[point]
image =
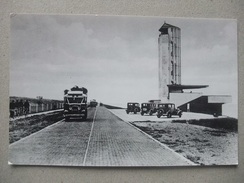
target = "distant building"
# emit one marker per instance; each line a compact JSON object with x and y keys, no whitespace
{"x":170,"y":87}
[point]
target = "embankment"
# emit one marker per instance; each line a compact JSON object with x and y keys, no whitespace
{"x":20,"y":128}
{"x":226,"y":123}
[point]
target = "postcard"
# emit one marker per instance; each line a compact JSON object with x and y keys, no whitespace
{"x":122,"y":91}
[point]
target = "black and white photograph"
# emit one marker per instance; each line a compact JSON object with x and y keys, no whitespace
{"x":122,"y":91}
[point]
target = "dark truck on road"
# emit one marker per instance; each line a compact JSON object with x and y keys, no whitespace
{"x":75,"y":103}
{"x":93,"y":103}
{"x":133,"y":107}
{"x":168,"y":109}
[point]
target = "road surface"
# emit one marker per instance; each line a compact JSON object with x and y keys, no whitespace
{"x":102,"y":140}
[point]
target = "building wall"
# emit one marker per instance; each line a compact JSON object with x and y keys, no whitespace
{"x":201,"y":105}
{"x":163,"y":66}
{"x":169,"y":42}
{"x":219,"y":99}
{"x":182,"y":98}
{"x":175,"y":55}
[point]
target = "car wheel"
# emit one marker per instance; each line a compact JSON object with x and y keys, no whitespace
{"x":169,"y":115}
{"x":142,"y":113}
{"x":150,"y":113}
{"x":127,"y":112}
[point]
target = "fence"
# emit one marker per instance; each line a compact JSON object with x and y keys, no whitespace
{"x":34,"y":108}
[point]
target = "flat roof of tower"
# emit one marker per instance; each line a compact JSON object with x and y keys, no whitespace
{"x":181,"y":87}
{"x":166,"y":25}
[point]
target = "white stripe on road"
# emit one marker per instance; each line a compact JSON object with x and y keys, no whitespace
{"x":84,"y":161}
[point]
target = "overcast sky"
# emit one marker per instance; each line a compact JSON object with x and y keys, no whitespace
{"x":116,"y":57}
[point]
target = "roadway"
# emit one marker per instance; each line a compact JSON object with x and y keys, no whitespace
{"x":101,"y":140}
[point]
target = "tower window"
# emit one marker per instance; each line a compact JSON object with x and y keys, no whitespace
{"x":164,"y":31}
{"x":172,"y":70}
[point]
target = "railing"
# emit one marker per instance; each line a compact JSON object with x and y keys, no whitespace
{"x":34,"y":108}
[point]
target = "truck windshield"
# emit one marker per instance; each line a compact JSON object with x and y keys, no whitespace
{"x":74,"y":100}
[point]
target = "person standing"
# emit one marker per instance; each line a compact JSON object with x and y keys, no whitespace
{"x":26,"y":107}
{"x":21,"y":107}
{"x":12,"y":107}
{"x":17,"y":106}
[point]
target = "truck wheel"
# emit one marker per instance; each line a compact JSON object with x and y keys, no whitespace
{"x":150,"y":113}
{"x":85,"y":117}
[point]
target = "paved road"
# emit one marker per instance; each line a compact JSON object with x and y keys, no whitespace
{"x":102,"y":140}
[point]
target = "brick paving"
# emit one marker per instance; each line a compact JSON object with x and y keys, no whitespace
{"x":112,"y":142}
{"x":63,"y":143}
{"x":116,"y":143}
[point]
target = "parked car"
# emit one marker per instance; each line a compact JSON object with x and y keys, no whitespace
{"x":133,"y":107}
{"x":168,"y":109}
{"x":148,"y":108}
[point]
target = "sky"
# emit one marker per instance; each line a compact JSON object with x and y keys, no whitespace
{"x":116,"y":57}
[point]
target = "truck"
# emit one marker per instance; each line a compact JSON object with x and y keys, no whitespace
{"x":93,"y":103}
{"x":75,"y":103}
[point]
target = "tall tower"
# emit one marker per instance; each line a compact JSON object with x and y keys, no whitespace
{"x":169,"y":45}
{"x":170,"y":87}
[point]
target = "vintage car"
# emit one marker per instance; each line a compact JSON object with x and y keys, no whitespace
{"x":148,"y":108}
{"x":168,"y":109}
{"x":133,"y":107}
